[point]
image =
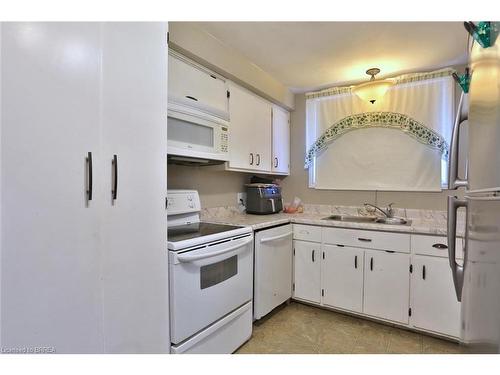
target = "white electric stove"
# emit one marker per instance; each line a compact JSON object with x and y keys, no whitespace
{"x":211,"y":278}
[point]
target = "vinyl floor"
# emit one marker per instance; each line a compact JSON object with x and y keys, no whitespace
{"x":302,"y":329}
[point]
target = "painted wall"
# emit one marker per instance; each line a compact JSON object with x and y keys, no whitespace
{"x":216,"y":188}
{"x":197,"y":44}
{"x":297,"y":183}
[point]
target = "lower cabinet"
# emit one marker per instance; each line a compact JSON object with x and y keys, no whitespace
{"x":342,"y":277}
{"x":387,"y":285}
{"x":306,"y":267}
{"x":413,"y":289}
{"x":433,"y":302}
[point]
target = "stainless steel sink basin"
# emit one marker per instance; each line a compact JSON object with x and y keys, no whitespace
{"x":393,"y":221}
{"x":354,"y":219}
{"x":369,"y":219}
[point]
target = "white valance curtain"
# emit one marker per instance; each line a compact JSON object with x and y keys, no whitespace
{"x":382,"y":158}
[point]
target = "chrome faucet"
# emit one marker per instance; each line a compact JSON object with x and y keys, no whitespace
{"x":388,"y":212}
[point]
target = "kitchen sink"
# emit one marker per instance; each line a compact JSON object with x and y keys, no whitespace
{"x":393,"y":221}
{"x":354,"y":219}
{"x":369,"y":219}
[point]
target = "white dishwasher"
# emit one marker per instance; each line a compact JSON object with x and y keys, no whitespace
{"x":273,"y":268}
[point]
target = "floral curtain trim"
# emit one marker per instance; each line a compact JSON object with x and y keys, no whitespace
{"x":406,"y":78}
{"x":365,"y":120}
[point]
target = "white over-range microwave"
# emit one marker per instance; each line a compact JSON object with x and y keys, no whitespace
{"x":192,"y":134}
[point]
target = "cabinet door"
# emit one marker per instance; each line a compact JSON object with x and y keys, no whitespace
{"x":194,"y":86}
{"x":273,"y":269}
{"x":50,"y":257}
{"x":135,"y":263}
{"x":249,"y":131}
{"x":434,"y":305}
{"x":386,"y":287}
{"x":281,"y":141}
{"x":342,"y":277}
{"x":307,"y":271}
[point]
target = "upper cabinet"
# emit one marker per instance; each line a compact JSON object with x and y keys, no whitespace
{"x":192,"y":86}
{"x":259,"y":132}
{"x":249,"y":131}
{"x":281,"y":141}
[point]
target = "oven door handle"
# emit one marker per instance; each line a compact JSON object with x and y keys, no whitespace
{"x":269,"y":239}
{"x":186,"y":258}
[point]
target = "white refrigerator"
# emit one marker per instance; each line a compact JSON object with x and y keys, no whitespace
{"x":477,"y":281}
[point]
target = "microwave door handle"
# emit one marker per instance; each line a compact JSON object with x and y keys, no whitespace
{"x":454,"y":182}
{"x":186,"y":258}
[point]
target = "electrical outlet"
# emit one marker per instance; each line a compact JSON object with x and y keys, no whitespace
{"x":241,"y":199}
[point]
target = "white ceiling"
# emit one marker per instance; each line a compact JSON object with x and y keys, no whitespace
{"x":312,"y":55}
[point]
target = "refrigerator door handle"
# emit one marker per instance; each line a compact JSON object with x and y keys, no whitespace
{"x":454,"y":182}
{"x":457,"y":270}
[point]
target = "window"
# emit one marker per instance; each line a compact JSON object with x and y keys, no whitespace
{"x":383,"y":155}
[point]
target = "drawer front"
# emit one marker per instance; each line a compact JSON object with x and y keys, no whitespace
{"x":399,"y":242}
{"x":434,"y":246}
{"x":306,"y":232}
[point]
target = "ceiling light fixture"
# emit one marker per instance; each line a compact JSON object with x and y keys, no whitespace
{"x":372,"y":90}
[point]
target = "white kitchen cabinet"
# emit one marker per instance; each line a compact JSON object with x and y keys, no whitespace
{"x":281,"y":141}
{"x":249,"y":131}
{"x":273,"y":269}
{"x":50,"y":267}
{"x":370,"y":239}
{"x":342,"y":277}
{"x":307,"y":268}
{"x":435,"y":246}
{"x":434,"y":305}
{"x":192,"y":86}
{"x":386,"y":285}
{"x":134,"y":251}
{"x":83,"y":275}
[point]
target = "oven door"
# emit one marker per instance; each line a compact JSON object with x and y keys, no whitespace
{"x":198,"y":137}
{"x":207,"y":283}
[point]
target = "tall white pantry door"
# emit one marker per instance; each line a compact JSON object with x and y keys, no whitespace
{"x":50,"y":253}
{"x":82,"y":272}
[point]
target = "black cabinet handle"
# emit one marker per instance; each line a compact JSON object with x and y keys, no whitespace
{"x":323,"y":255}
{"x":312,"y":255}
{"x":371,"y":264}
{"x":251,"y":158}
{"x":423,"y":272}
{"x":275,"y":162}
{"x":114,"y":191}
{"x":355,"y":261}
{"x":192,"y":98}
{"x":440,"y":246}
{"x":258,"y":159}
{"x":364,"y":239}
{"x":89,"y":171}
